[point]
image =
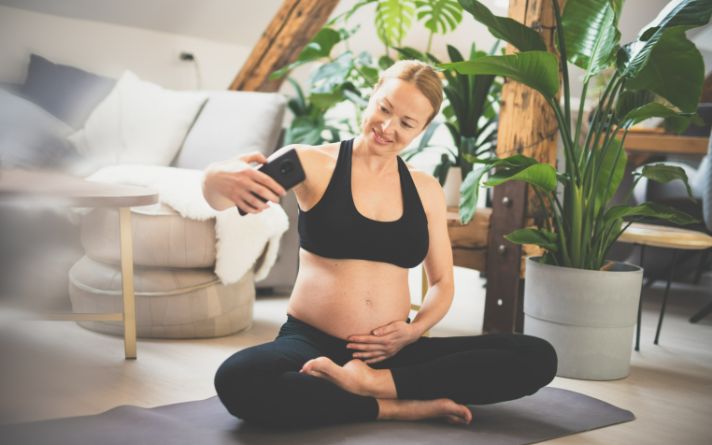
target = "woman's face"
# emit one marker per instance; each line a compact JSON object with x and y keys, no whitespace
{"x":396,"y":114}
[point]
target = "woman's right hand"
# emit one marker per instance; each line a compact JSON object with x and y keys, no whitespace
{"x":223,"y":189}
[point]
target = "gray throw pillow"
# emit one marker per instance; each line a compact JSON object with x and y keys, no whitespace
{"x":30,"y":137}
{"x":68,"y":93}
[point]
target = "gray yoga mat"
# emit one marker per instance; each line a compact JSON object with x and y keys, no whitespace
{"x":547,"y":414}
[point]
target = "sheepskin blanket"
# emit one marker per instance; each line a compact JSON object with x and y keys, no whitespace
{"x":240,"y":240}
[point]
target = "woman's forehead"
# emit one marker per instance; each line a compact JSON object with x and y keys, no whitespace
{"x":404,"y":96}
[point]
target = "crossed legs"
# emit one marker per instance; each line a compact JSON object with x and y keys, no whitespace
{"x":300,"y":380}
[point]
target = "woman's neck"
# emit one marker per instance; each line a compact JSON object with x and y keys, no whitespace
{"x":374,"y":161}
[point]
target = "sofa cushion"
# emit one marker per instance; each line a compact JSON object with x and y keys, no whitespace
{"x":232,"y":123}
{"x":30,"y":137}
{"x":161,"y":237}
{"x":138,"y":122}
{"x":67,"y":92}
{"x":170,"y":303}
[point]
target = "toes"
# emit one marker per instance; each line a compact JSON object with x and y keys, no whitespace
{"x":455,"y":420}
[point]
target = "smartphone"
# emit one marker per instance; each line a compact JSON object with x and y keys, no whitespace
{"x":285,"y":169}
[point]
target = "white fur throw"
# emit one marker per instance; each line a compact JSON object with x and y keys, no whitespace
{"x":240,"y":239}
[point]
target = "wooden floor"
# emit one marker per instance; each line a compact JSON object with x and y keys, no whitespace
{"x":55,"y":369}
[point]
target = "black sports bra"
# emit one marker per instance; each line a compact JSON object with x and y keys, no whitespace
{"x":334,"y":228}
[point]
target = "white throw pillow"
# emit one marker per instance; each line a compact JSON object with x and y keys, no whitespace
{"x":138,"y":122}
{"x":233,"y":123}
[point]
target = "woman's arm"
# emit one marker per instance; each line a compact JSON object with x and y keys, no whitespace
{"x":230,"y":183}
{"x":438,"y":263}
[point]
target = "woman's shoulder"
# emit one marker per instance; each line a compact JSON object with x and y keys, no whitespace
{"x":311,"y":154}
{"x":429,"y":188}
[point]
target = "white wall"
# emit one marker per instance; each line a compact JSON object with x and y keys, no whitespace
{"x":108,"y":49}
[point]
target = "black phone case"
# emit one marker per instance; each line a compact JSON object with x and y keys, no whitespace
{"x":286,"y":169}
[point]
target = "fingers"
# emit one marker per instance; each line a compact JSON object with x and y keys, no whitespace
{"x":367,"y":346}
{"x":369,"y":354}
{"x":367,"y":339}
{"x":255,"y":156}
{"x":265,"y":186}
{"x":385,"y":330}
{"x":376,"y":359}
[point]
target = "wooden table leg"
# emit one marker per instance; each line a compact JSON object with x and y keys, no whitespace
{"x":127,"y":285}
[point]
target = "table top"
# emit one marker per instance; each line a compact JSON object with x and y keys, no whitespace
{"x":655,"y":140}
{"x":666,"y":236}
{"x":53,"y":187}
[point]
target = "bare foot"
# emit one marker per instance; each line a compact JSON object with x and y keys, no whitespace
{"x":423,"y":409}
{"x":355,"y":376}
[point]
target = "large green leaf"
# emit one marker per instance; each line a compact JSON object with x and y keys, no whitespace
{"x":685,"y":13}
{"x":393,"y":20}
{"x":331,"y":76}
{"x":649,"y":210}
{"x":610,"y":173}
{"x":440,"y":16}
{"x":652,"y":109}
{"x":673,"y":63}
{"x":469,"y":191}
{"x":591,"y":33}
{"x":664,"y":173}
{"x":540,"y":237}
{"x":692,"y":13}
{"x":627,"y":101}
{"x":505,"y":28}
{"x":541,"y":175}
{"x":305,"y":130}
{"x":536,"y":69}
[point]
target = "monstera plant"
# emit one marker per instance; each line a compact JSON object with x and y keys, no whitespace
{"x":660,"y":74}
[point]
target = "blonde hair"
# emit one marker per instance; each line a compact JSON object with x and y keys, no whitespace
{"x":420,"y":74}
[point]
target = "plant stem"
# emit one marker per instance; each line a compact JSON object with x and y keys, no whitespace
{"x":564,"y":64}
{"x":571,"y":166}
{"x":597,"y":113}
{"x":579,"y":118}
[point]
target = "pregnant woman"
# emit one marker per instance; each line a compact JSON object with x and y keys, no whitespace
{"x":348,"y":351}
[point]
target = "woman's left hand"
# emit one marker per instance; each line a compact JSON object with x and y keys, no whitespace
{"x":383,"y":342}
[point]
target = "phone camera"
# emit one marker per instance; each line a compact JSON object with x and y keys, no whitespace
{"x":286,"y":167}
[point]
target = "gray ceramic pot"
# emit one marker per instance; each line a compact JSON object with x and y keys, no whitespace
{"x":589,"y":316}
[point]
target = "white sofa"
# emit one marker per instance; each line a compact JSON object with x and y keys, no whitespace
{"x":178,"y":293}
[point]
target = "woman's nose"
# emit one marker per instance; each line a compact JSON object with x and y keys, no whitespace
{"x":386,"y":123}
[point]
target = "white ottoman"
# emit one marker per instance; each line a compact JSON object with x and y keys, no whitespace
{"x":170,"y":302}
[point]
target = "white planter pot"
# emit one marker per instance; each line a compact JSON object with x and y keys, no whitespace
{"x":453,"y":181}
{"x":589,"y":316}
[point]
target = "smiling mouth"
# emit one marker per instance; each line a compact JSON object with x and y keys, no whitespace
{"x":381,"y":139}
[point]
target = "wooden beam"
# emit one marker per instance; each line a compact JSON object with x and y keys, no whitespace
{"x":527,"y":126}
{"x":296,"y":22}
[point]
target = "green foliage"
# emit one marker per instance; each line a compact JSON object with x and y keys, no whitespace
{"x":393,"y":20}
{"x":658,"y":75}
{"x":470,"y":114}
{"x":470,"y":110}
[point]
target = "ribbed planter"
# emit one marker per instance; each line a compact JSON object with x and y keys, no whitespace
{"x":451,"y":187}
{"x":589,"y":316}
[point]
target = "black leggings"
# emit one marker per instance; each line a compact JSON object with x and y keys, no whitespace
{"x":262,"y":383}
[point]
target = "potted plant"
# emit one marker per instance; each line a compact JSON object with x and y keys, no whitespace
{"x":583,"y":304}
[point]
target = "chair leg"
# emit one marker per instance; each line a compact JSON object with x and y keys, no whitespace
{"x":665,"y":296}
{"x":640,"y":302}
{"x":700,"y":266}
{"x":702,"y":313}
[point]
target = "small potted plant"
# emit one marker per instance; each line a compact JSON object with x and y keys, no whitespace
{"x":582,"y":303}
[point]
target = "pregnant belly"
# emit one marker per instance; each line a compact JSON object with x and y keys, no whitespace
{"x":348,"y":297}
